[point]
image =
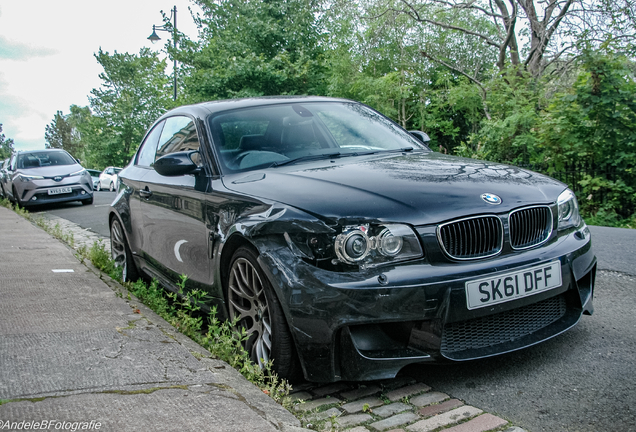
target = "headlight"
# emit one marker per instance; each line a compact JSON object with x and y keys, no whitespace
{"x":569,"y":216}
{"x":80,"y":172}
{"x":370,"y":246}
{"x":26,"y":178}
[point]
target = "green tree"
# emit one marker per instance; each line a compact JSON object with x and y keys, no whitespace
{"x":594,"y":125}
{"x":135,"y":91}
{"x":6,"y":145}
{"x":253,"y":48}
{"x":61,"y":134}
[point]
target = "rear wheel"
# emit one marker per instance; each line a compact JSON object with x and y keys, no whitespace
{"x":252,"y":299}
{"x":120,"y":252}
{"x":99,"y":186}
{"x":111,"y":187}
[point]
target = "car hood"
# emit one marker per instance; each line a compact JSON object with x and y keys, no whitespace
{"x":417,"y":188}
{"x":51,"y":171}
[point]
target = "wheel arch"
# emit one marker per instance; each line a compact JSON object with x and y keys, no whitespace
{"x":229,"y":248}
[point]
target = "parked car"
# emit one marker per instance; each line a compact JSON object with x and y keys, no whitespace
{"x":47,"y":176}
{"x":108,"y":179}
{"x":3,"y":174}
{"x":95,"y":176}
{"x":345,"y":247}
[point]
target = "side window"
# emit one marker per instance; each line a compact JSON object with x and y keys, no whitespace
{"x":179,"y":134}
{"x":149,"y":146}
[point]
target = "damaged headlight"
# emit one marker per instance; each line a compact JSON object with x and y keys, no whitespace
{"x":364,"y":246}
{"x":370,"y":246}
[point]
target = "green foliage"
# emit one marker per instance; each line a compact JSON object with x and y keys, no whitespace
{"x":253,"y":49}
{"x":594,"y":124}
{"x":6,"y":146}
{"x":509,"y":135}
{"x":134,"y":92}
{"x":59,"y":134}
{"x":102,"y":259}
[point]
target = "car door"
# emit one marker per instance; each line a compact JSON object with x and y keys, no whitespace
{"x":131,"y":178}
{"x":174,"y":234}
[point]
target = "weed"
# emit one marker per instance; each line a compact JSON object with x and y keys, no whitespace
{"x":101,"y":259}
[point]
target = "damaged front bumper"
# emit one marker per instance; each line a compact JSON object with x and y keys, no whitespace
{"x":368,"y":325}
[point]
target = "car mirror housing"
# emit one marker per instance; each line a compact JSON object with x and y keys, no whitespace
{"x":176,"y":164}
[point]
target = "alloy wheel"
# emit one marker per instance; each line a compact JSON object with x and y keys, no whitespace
{"x":248,"y":301}
{"x":118,"y":248}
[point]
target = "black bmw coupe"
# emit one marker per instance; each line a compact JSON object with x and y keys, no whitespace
{"x":346,"y":246}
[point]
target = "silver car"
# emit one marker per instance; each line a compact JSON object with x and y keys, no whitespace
{"x":4,"y":164}
{"x":95,"y":176}
{"x":47,"y":176}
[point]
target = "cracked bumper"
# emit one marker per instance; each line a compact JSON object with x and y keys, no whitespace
{"x":367,"y":326}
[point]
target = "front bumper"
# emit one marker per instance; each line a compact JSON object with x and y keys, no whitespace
{"x":357,"y":326}
{"x":36,"y":192}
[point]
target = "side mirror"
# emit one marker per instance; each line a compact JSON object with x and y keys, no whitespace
{"x":422,"y":136}
{"x":176,"y":164}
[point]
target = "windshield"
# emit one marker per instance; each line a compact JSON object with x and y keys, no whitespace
{"x":42,"y":159}
{"x":270,"y":136}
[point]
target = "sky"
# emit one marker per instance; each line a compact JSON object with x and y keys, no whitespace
{"x":46,"y":54}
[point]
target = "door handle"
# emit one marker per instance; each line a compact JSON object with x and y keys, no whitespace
{"x":145,"y":193}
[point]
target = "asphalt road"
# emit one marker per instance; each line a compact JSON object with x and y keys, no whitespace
{"x":93,"y":217}
{"x":583,"y":380}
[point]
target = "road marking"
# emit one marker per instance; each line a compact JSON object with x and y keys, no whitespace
{"x":63,"y":271}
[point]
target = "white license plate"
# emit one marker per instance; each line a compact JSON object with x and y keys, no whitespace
{"x":60,"y":190}
{"x":505,"y":287}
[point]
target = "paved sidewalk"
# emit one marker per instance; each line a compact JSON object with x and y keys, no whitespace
{"x":75,"y":354}
{"x":72,"y":351}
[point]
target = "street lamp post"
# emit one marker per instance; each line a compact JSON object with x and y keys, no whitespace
{"x":154,"y":38}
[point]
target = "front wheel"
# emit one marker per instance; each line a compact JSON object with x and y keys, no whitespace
{"x":111,"y":187}
{"x":16,"y":198}
{"x":88,"y":201}
{"x":120,"y":253}
{"x":252,"y":299}
{"x":99,"y":186}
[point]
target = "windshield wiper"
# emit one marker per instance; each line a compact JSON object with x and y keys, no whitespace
{"x":306,"y":158}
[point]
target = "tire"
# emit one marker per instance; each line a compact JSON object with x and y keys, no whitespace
{"x":99,"y":186}
{"x":88,"y":201}
{"x":16,"y":199}
{"x":252,"y":298}
{"x":111,"y":187}
{"x":120,"y":252}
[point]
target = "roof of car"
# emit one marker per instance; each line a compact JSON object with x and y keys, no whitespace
{"x":205,"y":108}
{"x":40,"y":151}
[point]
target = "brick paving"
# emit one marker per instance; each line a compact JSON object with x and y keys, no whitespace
{"x":400,"y":405}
